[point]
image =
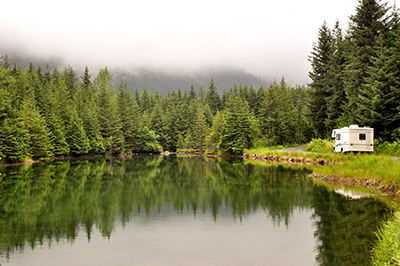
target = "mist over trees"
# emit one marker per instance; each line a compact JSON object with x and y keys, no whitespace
{"x":355,"y":75}
{"x":163,"y":80}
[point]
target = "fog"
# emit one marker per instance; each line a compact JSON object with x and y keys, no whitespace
{"x":264,"y":38}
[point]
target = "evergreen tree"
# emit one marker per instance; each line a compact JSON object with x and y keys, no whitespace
{"x":214,"y":135}
{"x":277,"y":115}
{"x":304,"y":131}
{"x":236,"y":131}
{"x":192,"y":93}
{"x":159,"y":125}
{"x":130,"y":117}
{"x":320,"y":59}
{"x":55,"y":123}
{"x":89,"y":114}
{"x":76,"y":137}
{"x":253,"y":100}
{"x":379,"y":98}
{"x":336,"y":99}
{"x":212,"y":98}
{"x":369,"y":22}
{"x":110,"y":123}
{"x":174,"y":121}
{"x":267,"y":117}
{"x":14,"y":138}
{"x":39,"y":137}
{"x":71,"y":80}
{"x":199,"y":129}
{"x":285,"y":118}
{"x":145,"y":101}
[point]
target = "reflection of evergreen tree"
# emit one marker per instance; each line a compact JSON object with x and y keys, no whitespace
{"x":55,"y":200}
{"x":345,"y":228}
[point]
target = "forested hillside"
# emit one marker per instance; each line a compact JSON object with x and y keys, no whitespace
{"x":45,"y":112}
{"x":356,"y":73}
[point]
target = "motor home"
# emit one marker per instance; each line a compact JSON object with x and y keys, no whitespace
{"x":353,"y":139}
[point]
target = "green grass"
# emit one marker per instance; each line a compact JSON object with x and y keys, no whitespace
{"x":387,"y":250}
{"x":364,"y":166}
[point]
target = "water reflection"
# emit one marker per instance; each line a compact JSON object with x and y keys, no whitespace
{"x":58,"y":201}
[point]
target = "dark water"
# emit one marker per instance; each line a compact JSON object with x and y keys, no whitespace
{"x":179,"y":211}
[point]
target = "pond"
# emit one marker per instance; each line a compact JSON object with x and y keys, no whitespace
{"x":172,"y":210}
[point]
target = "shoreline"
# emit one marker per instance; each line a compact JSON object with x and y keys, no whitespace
{"x":375,"y":184}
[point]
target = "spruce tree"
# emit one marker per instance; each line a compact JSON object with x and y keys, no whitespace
{"x":214,"y":134}
{"x":130,"y":117}
{"x":192,"y":93}
{"x":14,"y":137}
{"x":320,"y":59}
{"x":212,"y":98}
{"x":237,"y":129}
{"x":199,"y":129}
{"x":379,"y":98}
{"x":54,"y":121}
{"x":159,"y":124}
{"x":90,"y":112}
{"x":110,"y":123}
{"x":369,"y":22}
{"x":39,"y":136}
{"x":336,"y":99}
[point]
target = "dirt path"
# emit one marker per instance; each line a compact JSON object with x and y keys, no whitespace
{"x":295,"y":149}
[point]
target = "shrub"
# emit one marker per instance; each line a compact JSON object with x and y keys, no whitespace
{"x":387,"y":148}
{"x":320,"y":145}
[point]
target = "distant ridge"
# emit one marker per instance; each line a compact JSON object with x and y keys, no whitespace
{"x":166,"y":82}
{"x":140,"y":78}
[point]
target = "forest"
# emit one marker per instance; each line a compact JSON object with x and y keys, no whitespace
{"x":354,"y":76}
{"x":47,"y":113}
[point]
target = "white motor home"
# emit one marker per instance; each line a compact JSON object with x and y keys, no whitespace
{"x":353,"y":139}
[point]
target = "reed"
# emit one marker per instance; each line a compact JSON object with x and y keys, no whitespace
{"x":387,"y":249}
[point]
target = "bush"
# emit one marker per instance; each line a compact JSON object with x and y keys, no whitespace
{"x":387,"y":148}
{"x":320,"y":145}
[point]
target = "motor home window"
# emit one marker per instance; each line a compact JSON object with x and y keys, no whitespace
{"x":362,"y":136}
{"x":337,"y":136}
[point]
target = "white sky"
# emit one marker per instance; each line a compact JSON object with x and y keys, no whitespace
{"x":266,"y":38}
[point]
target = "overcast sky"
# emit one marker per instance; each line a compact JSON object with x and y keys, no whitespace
{"x":266,"y":38}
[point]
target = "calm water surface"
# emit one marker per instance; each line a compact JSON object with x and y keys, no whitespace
{"x":179,"y":211}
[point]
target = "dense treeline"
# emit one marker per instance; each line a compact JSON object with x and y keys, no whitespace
{"x":45,"y":112}
{"x":355,"y":76}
